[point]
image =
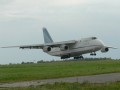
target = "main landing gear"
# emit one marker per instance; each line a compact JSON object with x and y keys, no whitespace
{"x":65,"y":57}
{"x":79,"y":57}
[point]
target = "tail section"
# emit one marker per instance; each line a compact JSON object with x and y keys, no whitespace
{"x":47,"y":37}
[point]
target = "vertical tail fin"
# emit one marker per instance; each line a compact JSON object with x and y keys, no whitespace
{"x":47,"y":37}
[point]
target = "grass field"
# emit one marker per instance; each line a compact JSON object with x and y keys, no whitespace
{"x":71,"y":86}
{"x":27,"y":72}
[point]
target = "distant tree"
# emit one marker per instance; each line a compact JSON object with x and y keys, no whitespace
{"x":10,"y":63}
{"x":41,"y":61}
{"x":29,"y":62}
{"x":52,"y":60}
{"x":23,"y":63}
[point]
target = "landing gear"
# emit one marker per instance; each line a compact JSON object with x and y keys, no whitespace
{"x":93,"y":54}
{"x":65,"y":56}
{"x":79,"y":57}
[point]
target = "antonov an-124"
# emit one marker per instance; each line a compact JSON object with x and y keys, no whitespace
{"x":68,"y":49}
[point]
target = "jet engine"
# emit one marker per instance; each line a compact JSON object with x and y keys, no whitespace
{"x":47,"y":49}
{"x":64,"y":47}
{"x":105,"y":49}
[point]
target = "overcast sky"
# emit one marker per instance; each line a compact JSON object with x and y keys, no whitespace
{"x":21,"y":23}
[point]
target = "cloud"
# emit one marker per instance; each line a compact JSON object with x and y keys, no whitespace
{"x":33,"y":8}
{"x":5,"y":2}
{"x":37,"y":9}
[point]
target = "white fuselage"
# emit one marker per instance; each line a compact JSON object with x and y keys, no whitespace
{"x":83,"y":46}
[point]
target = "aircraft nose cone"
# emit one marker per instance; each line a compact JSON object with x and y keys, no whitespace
{"x":101,"y":43}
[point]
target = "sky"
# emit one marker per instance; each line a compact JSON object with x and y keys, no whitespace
{"x":21,"y":23}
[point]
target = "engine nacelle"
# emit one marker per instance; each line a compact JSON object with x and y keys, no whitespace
{"x":47,"y":49}
{"x":105,"y":49}
{"x":64,"y":47}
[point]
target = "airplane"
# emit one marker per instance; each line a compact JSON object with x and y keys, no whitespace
{"x":68,"y":49}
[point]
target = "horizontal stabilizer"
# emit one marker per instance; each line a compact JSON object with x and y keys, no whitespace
{"x":111,"y":47}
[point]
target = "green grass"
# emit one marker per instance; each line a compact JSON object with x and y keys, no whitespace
{"x":27,"y":72}
{"x":71,"y":86}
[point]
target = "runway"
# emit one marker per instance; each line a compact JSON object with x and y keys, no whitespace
{"x":102,"y":78}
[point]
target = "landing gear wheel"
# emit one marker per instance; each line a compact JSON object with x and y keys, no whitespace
{"x":79,"y":57}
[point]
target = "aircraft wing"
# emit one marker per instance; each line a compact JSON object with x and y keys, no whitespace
{"x":40,"y":46}
{"x":37,"y":46}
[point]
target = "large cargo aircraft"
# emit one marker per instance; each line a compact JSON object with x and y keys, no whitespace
{"x":67,"y":49}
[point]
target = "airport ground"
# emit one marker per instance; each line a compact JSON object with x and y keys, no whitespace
{"x":70,"y":86}
{"x":61,"y":69}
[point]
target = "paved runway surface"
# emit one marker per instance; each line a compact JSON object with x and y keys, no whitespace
{"x":102,"y":78}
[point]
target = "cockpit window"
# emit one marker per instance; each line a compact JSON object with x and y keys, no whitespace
{"x":93,"y":38}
